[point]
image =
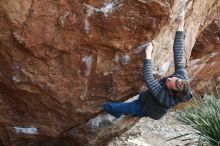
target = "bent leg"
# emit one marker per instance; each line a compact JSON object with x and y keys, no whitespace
{"x":119,"y":108}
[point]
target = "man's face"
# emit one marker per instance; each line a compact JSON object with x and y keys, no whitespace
{"x":174,"y":83}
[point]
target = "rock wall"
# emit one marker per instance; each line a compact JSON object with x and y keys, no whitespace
{"x":61,"y":60}
{"x":204,"y":62}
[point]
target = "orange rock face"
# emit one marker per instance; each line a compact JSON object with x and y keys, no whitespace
{"x":61,"y":60}
{"x":204,"y":65}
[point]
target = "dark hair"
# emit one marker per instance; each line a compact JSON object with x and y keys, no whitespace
{"x":185,"y":91}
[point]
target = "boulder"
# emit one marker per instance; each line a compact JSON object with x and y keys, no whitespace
{"x":61,"y":60}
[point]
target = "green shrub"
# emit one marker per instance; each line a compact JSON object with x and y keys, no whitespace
{"x":204,"y":117}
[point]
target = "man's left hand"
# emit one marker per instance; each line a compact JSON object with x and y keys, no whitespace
{"x":148,"y":50}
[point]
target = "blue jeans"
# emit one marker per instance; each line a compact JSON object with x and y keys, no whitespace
{"x":121,"y":108}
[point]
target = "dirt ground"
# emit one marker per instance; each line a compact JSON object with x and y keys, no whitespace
{"x":148,"y":132}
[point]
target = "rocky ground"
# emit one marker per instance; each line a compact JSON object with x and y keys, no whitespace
{"x":148,"y":132}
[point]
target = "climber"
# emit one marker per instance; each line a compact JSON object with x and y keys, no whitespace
{"x":162,"y":95}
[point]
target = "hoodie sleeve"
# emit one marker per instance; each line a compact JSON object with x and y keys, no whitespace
{"x":159,"y":92}
{"x":178,"y":47}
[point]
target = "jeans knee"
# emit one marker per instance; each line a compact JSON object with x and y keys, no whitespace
{"x":108,"y":106}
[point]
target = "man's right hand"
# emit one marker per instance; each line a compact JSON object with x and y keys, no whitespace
{"x":148,"y":50}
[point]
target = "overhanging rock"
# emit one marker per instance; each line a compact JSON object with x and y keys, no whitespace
{"x":61,"y":60}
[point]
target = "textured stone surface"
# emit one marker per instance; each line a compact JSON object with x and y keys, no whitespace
{"x":148,"y":132}
{"x":61,"y":60}
{"x":205,"y":59}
